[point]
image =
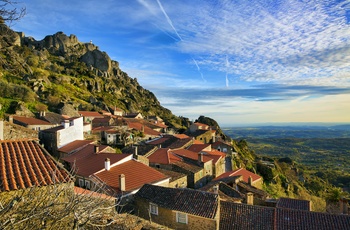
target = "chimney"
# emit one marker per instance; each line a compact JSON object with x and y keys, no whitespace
{"x":107,"y":164}
{"x":200,"y":157}
{"x":66,"y":124}
{"x":136,"y":151}
{"x":11,"y":119}
{"x":122,"y":182}
{"x":96,"y":149}
{"x":250,"y":198}
{"x":1,"y":130}
{"x":343,"y":206}
{"x":216,"y":189}
{"x":250,"y":180}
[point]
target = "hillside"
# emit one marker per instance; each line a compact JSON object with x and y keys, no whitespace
{"x":60,"y":70}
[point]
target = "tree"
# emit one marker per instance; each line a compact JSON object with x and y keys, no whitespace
{"x":9,"y":12}
{"x":58,"y":206}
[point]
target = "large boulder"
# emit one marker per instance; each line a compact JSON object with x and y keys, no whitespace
{"x":97,"y":59}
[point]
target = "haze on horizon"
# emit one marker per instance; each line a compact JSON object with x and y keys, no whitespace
{"x":242,"y":62}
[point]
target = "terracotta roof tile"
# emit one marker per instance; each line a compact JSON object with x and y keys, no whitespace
{"x":90,"y":114}
{"x":293,"y":204}
{"x":240,"y":172}
{"x":86,"y":162}
{"x":190,"y":201}
{"x":31,"y":120}
{"x":85,"y":192}
{"x":23,"y":164}
{"x":163,"y":156}
{"x":199,"y":147}
{"x":74,"y":146}
{"x":245,"y":217}
{"x":181,"y":136}
{"x":136,"y":175}
{"x":189,"y":154}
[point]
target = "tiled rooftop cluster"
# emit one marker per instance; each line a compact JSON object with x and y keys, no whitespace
{"x":191,"y":201}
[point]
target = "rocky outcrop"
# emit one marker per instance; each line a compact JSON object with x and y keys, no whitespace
{"x":97,"y":59}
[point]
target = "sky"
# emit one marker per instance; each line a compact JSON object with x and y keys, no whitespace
{"x":238,"y":62}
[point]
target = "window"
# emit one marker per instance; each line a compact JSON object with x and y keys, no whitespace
{"x":81,"y":183}
{"x":87,"y":184}
{"x":181,"y":218}
{"x":153,"y":209}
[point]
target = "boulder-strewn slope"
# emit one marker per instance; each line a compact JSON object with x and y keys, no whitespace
{"x":62,"y":70}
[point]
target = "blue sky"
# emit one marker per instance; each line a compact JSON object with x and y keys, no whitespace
{"x":238,"y":62}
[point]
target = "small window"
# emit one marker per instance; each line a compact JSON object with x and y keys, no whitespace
{"x":181,"y":218}
{"x":87,"y":184}
{"x":153,"y":209}
{"x":81,"y":183}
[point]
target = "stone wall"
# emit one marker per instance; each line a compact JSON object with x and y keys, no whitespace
{"x":167,"y":218}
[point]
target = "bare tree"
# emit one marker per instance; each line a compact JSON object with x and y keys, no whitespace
{"x":9,"y":11}
{"x":58,"y":206}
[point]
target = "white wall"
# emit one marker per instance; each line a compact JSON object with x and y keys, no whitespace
{"x":74,"y":132}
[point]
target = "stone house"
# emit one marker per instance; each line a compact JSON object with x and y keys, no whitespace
{"x":89,"y":116}
{"x":31,"y":123}
{"x":54,"y":138}
{"x":247,"y":177}
{"x":178,"y":208}
{"x":122,"y":174}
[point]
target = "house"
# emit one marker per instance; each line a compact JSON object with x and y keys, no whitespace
{"x":246,"y":217}
{"x":197,"y":167}
{"x":31,"y":122}
{"x":54,"y":138}
{"x":223,"y":147}
{"x":203,"y":135}
{"x":248,"y":177}
{"x":178,"y":208}
{"x":118,"y":112}
{"x":294,"y":204}
{"x":198,"y":126}
{"x":102,"y":121}
{"x":73,"y":147}
{"x":177,"y":180}
{"x":235,"y":216}
{"x":89,"y":116}
{"x":25,"y":164}
{"x":171,"y":141}
{"x":120,"y":172}
{"x":133,"y":115}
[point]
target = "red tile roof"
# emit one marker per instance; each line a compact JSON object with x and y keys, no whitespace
{"x":90,"y":114}
{"x":293,"y":204}
{"x":74,"y":146}
{"x":31,"y":120}
{"x":163,"y":156}
{"x":88,"y":193}
{"x":181,"y":136}
{"x":240,"y":172}
{"x":189,"y":154}
{"x":190,"y":201}
{"x":86,"y":162}
{"x":24,"y":163}
{"x":199,"y":147}
{"x":139,"y":126}
{"x":136,"y":175}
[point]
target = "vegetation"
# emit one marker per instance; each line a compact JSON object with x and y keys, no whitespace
{"x":310,"y":168}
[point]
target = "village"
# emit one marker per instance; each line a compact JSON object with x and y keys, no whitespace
{"x":181,"y":181}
